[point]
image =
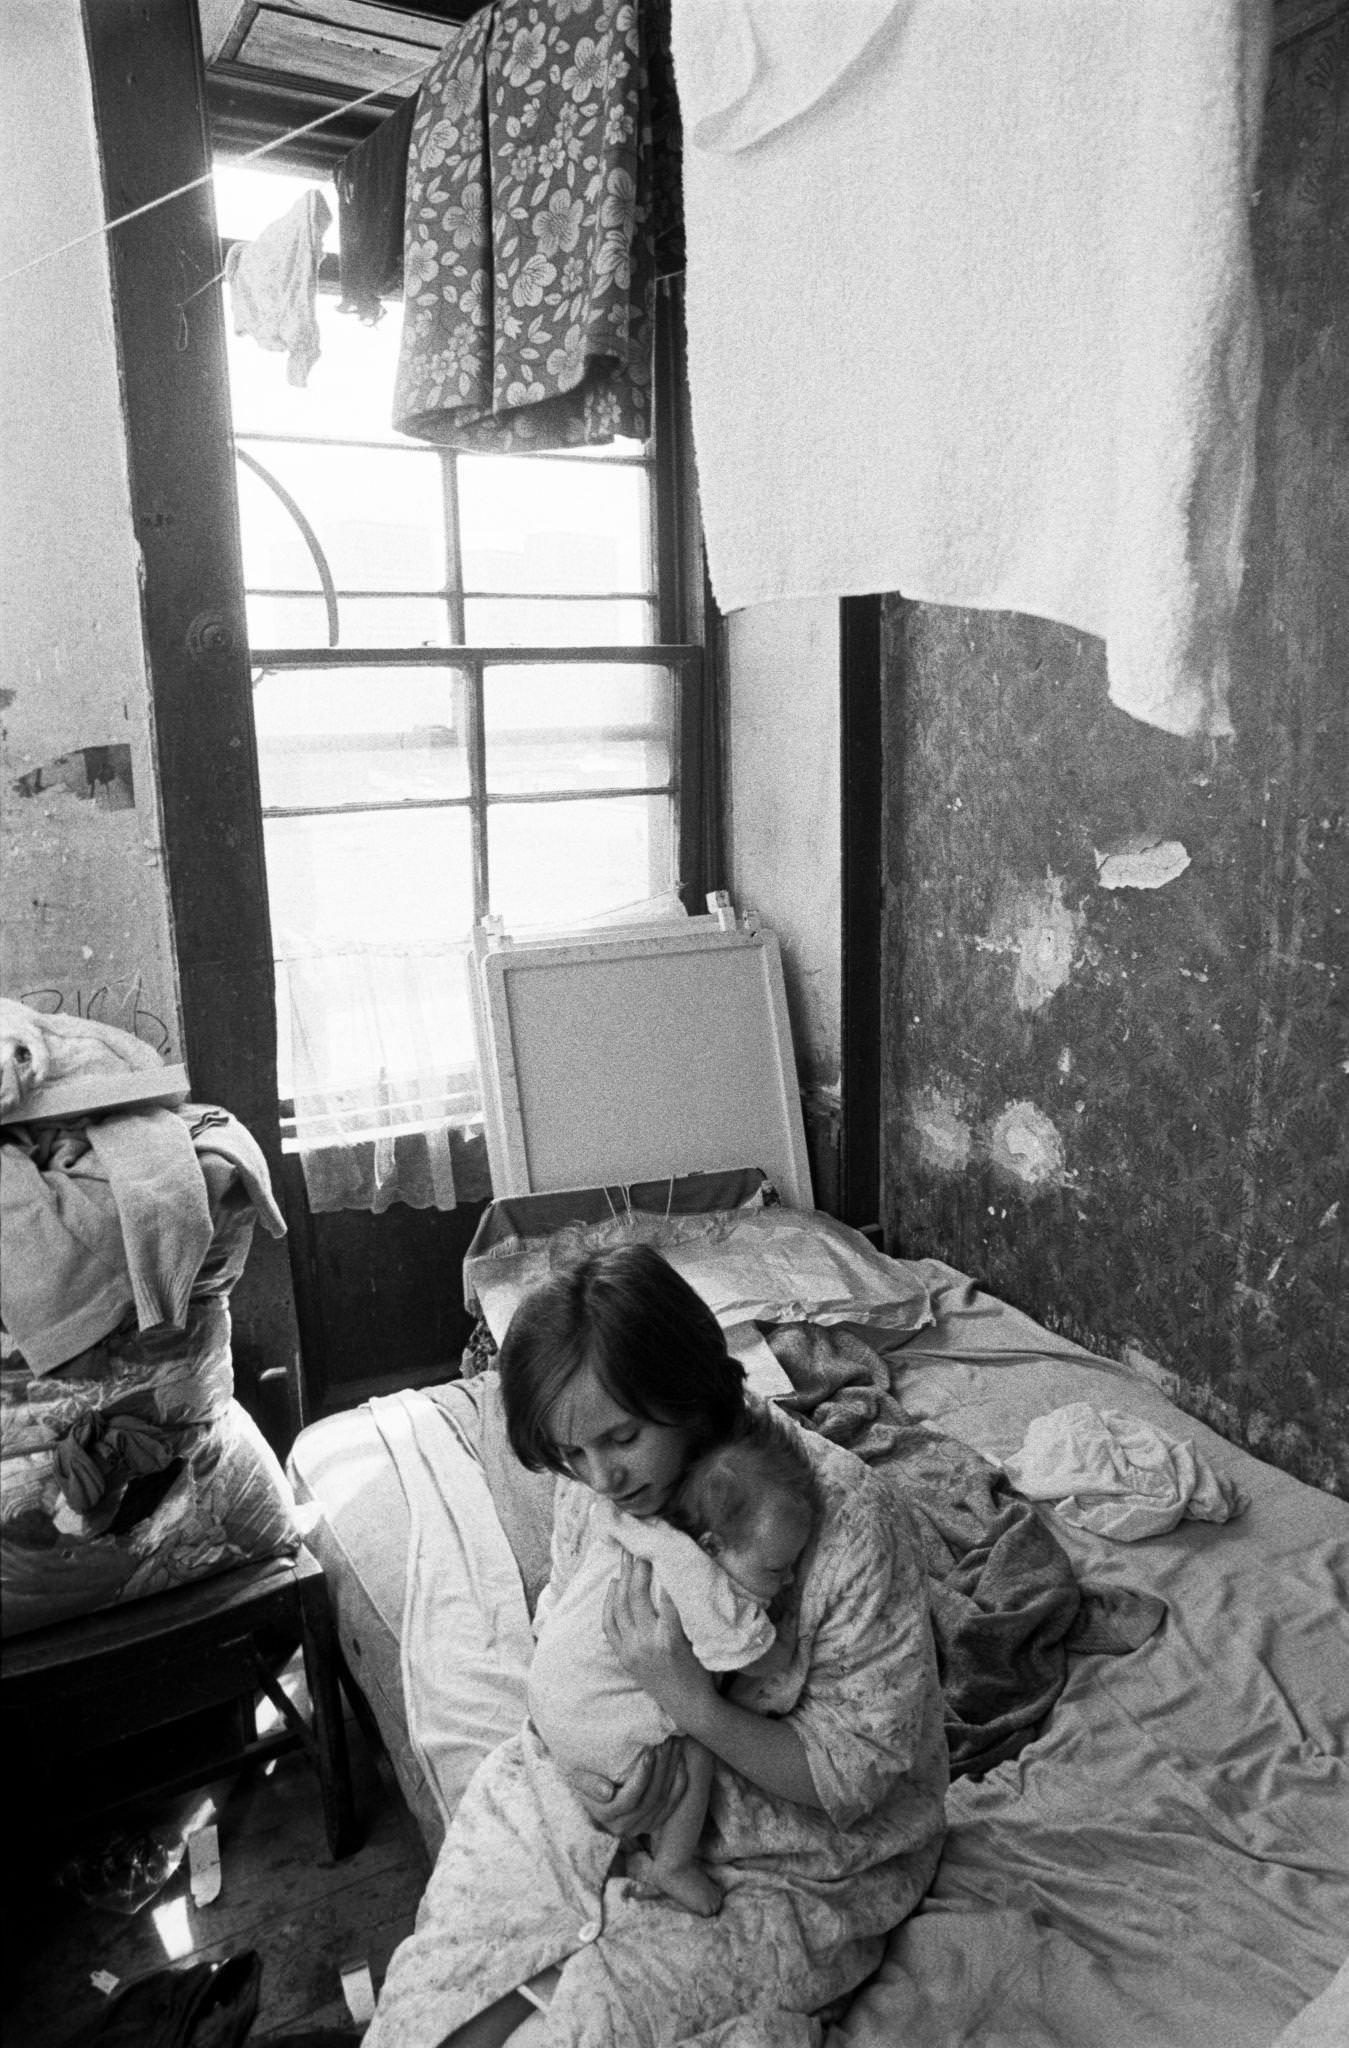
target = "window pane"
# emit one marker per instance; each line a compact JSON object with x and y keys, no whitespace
{"x":394,"y":621}
{"x":349,"y":394}
{"x":377,"y":513}
{"x":362,"y":621}
{"x":577,"y":728}
{"x":541,"y":525}
{"x":557,"y":864}
{"x":287,"y":621}
{"x":551,"y":622}
{"x":249,"y":197}
{"x":342,"y":736}
{"x":386,"y":879}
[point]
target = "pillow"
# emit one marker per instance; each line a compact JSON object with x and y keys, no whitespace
{"x":750,"y":1265}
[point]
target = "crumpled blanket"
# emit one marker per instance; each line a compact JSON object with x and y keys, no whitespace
{"x":1006,"y":1604}
{"x":1117,"y":1475}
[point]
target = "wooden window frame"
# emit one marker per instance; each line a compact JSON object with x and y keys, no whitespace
{"x":149,"y":99}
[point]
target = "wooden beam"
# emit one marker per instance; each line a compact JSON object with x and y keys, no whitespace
{"x":145,"y":71}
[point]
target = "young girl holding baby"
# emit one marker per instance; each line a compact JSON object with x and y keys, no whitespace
{"x":723,"y":1552}
{"x":829,"y":1769}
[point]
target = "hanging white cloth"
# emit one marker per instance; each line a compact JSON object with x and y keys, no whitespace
{"x":273,"y":283}
{"x":972,"y":317}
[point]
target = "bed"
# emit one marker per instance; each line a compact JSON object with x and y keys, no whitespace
{"x":1149,"y":1818}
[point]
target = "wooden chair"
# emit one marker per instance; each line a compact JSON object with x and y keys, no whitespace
{"x":83,"y":1692}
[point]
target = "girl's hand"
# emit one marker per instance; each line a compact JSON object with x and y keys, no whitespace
{"x":646,"y":1797}
{"x":646,"y":1636}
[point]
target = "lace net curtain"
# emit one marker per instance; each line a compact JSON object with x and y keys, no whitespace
{"x":382,"y":1074}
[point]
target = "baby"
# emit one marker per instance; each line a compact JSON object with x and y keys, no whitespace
{"x":745,"y":1513}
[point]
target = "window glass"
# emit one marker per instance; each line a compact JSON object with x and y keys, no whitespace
{"x":347,"y":736}
{"x":249,"y":197}
{"x":377,"y":513}
{"x":382,"y":879}
{"x":426,"y":1004}
{"x":555,"y":622}
{"x":577,"y":728}
{"x":349,"y":391}
{"x":390,"y":822}
{"x":558,"y":864}
{"x":398,"y":621}
{"x":543,"y":525}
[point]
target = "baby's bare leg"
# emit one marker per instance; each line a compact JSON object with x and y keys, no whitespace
{"x":674,"y":1864}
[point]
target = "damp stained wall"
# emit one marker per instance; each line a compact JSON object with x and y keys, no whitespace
{"x":85,"y":909}
{"x":1116,"y":964}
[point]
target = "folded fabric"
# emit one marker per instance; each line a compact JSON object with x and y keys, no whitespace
{"x":162,"y":1208}
{"x":138,"y":1209}
{"x":63,"y":1279}
{"x":216,"y":1134}
{"x":1117,"y":1475}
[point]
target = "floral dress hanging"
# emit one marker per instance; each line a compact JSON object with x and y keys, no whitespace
{"x":528,"y":269}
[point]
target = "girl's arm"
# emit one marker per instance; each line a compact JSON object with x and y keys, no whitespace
{"x":650,"y":1644}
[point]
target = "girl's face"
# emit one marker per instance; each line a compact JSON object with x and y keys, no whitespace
{"x":635,"y":1463}
{"x":764,"y":1563}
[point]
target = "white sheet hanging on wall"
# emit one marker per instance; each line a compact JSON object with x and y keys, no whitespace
{"x":971,"y":312}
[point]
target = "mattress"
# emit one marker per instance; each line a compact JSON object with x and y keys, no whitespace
{"x":1163,"y":1856}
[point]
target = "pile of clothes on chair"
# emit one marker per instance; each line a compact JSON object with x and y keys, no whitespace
{"x":126,"y":1217}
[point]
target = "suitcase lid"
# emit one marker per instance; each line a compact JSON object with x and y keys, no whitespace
{"x":637,"y":1052}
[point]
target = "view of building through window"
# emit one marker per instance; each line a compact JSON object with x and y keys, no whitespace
{"x":456,"y":712}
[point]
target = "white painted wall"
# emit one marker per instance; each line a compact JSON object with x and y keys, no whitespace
{"x":782,"y":781}
{"x":85,"y":908}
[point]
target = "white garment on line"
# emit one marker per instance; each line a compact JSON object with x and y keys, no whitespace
{"x":273,"y":283}
{"x":976,"y":321}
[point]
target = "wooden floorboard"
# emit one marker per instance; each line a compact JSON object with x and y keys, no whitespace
{"x":281,"y":1894}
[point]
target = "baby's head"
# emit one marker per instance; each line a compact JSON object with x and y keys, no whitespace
{"x":750,"y":1504}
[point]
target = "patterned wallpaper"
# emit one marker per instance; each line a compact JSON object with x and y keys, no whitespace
{"x":1116,"y":968}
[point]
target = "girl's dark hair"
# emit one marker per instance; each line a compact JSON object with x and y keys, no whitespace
{"x":653,"y":1344}
{"x":722,"y":1493}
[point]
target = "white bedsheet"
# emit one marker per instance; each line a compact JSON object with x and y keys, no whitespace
{"x":466,"y":1640}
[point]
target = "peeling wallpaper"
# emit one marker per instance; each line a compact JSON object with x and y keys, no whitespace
{"x":1116,"y":972}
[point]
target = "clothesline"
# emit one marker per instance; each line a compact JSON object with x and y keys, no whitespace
{"x":264,"y":149}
